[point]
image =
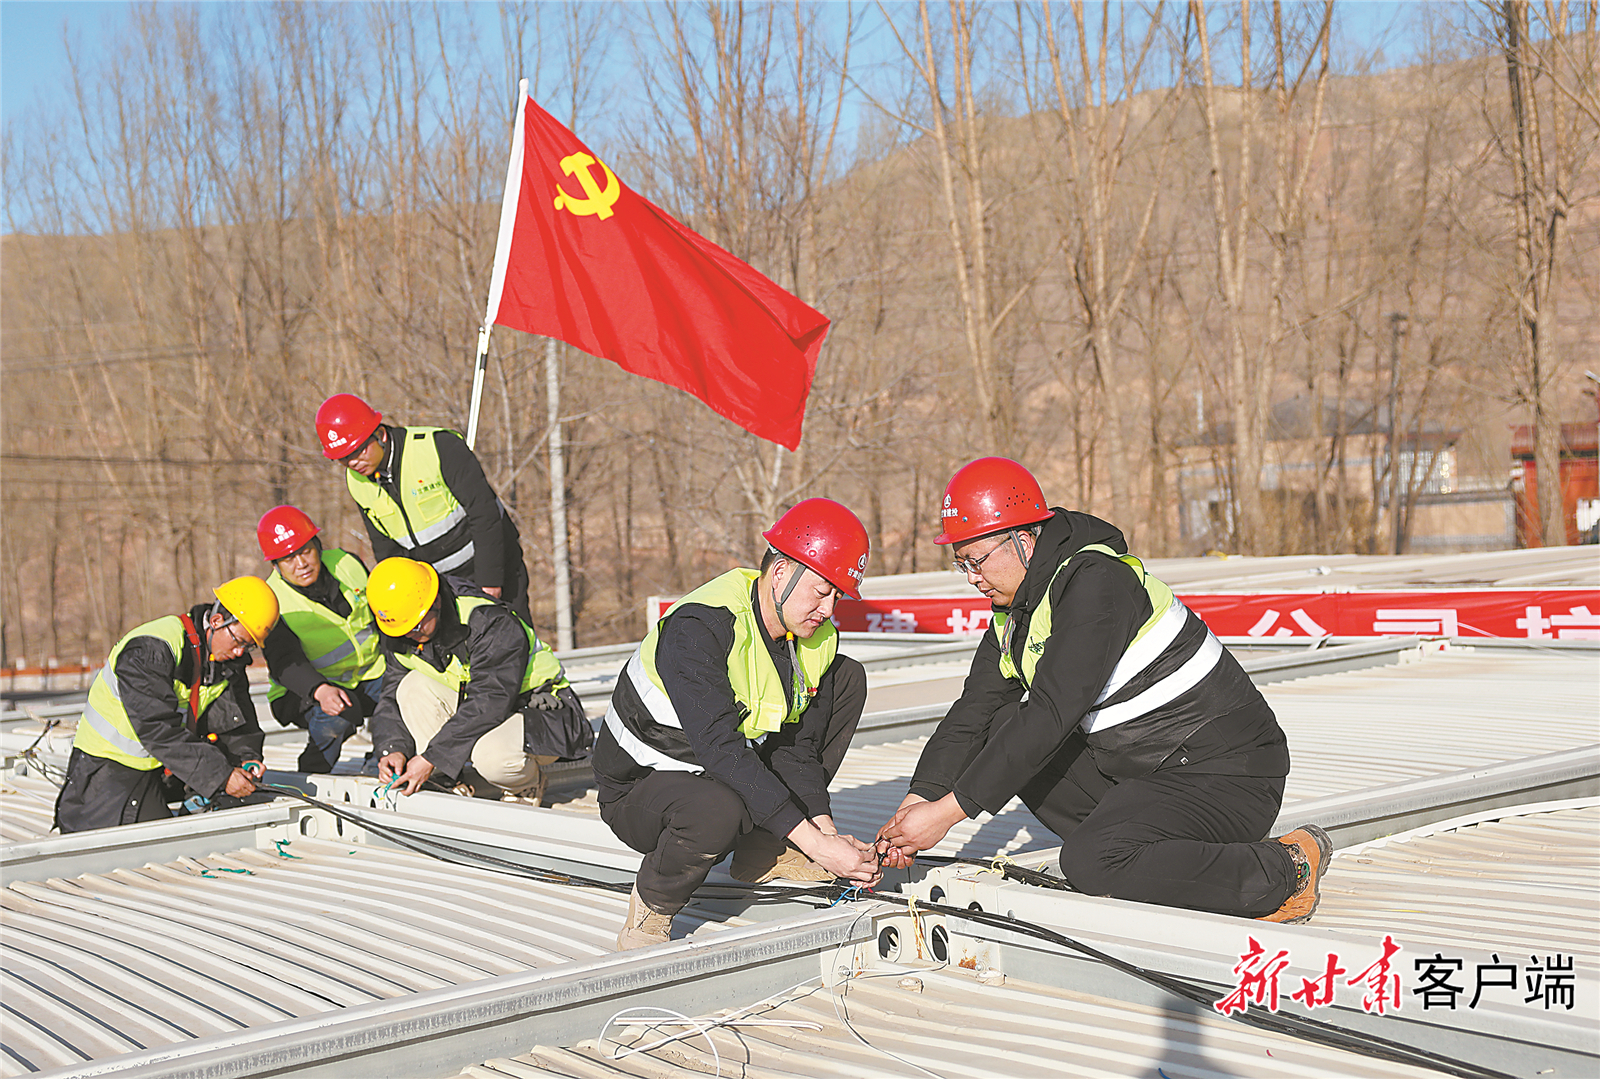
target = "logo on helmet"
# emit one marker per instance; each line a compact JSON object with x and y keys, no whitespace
{"x":860,"y":572}
{"x":282,"y":533}
{"x":949,"y":511}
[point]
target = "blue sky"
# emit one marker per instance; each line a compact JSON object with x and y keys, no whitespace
{"x":33,"y":59}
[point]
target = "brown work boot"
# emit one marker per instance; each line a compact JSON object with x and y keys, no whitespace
{"x":761,"y":856}
{"x":1311,"y":849}
{"x":644,"y":926}
{"x":532,"y":794}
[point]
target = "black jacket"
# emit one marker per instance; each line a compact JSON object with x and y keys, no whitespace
{"x":779,"y":788}
{"x":490,"y":529}
{"x":492,"y":644}
{"x":145,"y":672}
{"x":992,"y":742}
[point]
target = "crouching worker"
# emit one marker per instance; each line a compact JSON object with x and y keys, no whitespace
{"x":470,"y":695}
{"x":1112,"y":711}
{"x":324,"y":654}
{"x":728,"y":723}
{"x":171,"y":698}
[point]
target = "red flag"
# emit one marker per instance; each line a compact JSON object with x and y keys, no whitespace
{"x":584,"y":258}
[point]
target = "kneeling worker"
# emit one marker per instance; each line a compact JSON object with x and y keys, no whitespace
{"x":172,"y":695}
{"x":324,"y":655}
{"x":466,"y":682}
{"x":728,"y":723}
{"x":1112,"y":711}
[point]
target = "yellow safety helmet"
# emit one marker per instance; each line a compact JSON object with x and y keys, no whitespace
{"x":252,"y":603}
{"x":400,"y":591}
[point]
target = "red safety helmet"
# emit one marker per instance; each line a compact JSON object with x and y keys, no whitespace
{"x":282,"y":531}
{"x":344,"y":422}
{"x":824,"y":536}
{"x":991,"y":494}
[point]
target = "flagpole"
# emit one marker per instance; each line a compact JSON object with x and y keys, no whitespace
{"x":558,"y":495}
{"x":502,"y":252}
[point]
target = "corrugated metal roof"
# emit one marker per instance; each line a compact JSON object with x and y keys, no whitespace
{"x":1538,"y":567}
{"x":953,"y":1024}
{"x":307,"y":946}
{"x":1528,"y":882}
{"x":109,"y":963}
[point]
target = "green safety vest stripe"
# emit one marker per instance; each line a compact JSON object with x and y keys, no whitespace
{"x":428,"y":509}
{"x":351,"y":647}
{"x":104,"y":729}
{"x":1040,"y":624}
{"x":751,"y":673}
{"x":543,"y":669}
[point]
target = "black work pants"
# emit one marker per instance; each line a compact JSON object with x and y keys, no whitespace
{"x":684,"y":822}
{"x":1178,"y":837}
{"x":102,"y":793}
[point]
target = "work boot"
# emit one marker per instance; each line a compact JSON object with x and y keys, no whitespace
{"x":532,"y":795}
{"x":644,"y":926}
{"x":761,"y":856}
{"x":1310,"y":848}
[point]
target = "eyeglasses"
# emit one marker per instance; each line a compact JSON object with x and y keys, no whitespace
{"x":351,"y":456}
{"x":243,"y":645}
{"x":972,"y":565}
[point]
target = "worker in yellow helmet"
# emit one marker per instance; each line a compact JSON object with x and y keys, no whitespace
{"x":171,"y":698}
{"x":471,"y":699}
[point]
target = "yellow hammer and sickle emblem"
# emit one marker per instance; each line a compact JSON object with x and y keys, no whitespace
{"x":598,"y":202}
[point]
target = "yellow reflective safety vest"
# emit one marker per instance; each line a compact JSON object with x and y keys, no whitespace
{"x":1131,"y":692}
{"x":756,"y":684}
{"x":345,"y":651}
{"x":104,"y":729}
{"x":1039,"y":625}
{"x":427,"y":511}
{"x":543,"y":670}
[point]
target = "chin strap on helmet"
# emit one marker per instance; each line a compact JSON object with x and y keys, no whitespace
{"x":796,"y":678}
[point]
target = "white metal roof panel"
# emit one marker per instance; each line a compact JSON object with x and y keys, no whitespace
{"x":108,"y":963}
{"x":1538,"y":567}
{"x":951,"y":1025}
{"x":1518,"y":884}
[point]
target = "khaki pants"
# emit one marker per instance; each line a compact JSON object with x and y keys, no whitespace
{"x":426,"y":705}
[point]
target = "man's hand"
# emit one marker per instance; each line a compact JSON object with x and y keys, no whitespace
{"x":410,"y":778}
{"x":890,"y":855}
{"x":918,"y":825}
{"x":331,"y":698}
{"x":838,"y":854}
{"x":239,"y":784}
{"x":492,"y":591}
{"x":390,"y":763}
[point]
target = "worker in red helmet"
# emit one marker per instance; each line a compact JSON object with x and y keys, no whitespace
{"x":728,"y":723}
{"x":324,"y":656}
{"x":1113,"y":712}
{"x":424,"y":496}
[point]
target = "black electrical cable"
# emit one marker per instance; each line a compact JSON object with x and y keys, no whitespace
{"x":1307,"y":1029}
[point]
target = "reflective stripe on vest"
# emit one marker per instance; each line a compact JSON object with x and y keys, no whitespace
{"x":428,"y":509}
{"x":660,"y":707}
{"x":752,"y":675}
{"x":543,"y":668}
{"x":346,"y":649}
{"x":104,"y":729}
{"x":1167,"y":620}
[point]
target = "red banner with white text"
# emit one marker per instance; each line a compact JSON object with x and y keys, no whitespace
{"x":1564,"y":614}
